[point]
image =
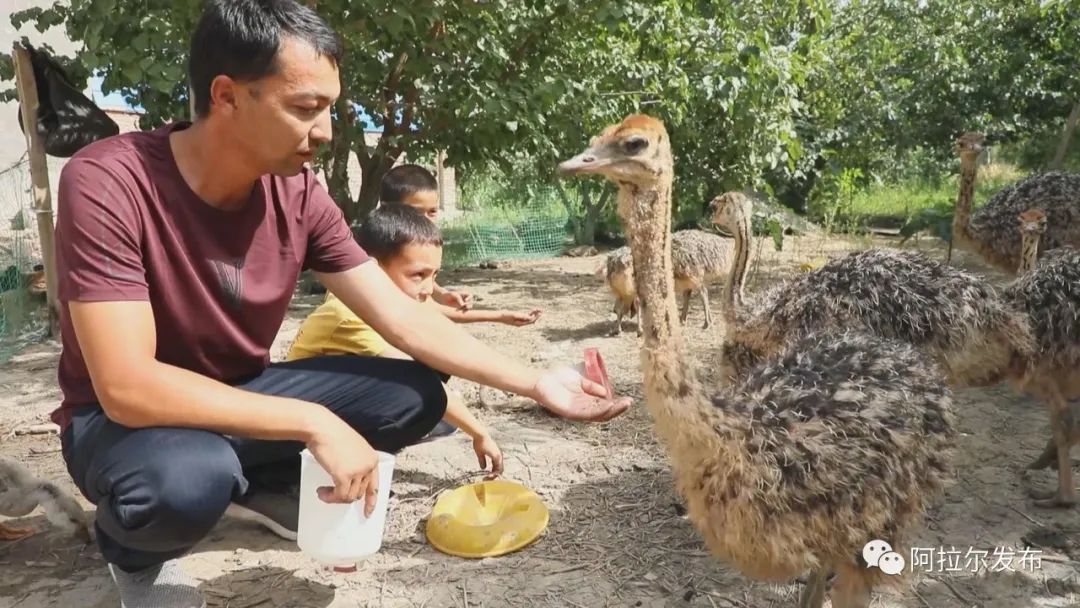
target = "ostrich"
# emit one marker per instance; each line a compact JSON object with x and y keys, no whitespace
{"x":21,"y":492}
{"x":976,"y":337}
{"x":1047,"y":290}
{"x":990,"y":231}
{"x":618,"y":272}
{"x":841,"y":439}
{"x":698,"y":258}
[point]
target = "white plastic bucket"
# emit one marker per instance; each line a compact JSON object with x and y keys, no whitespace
{"x":338,"y":535}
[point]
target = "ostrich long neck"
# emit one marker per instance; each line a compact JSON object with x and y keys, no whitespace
{"x":1029,"y":252}
{"x":733,"y":289}
{"x":962,"y":214}
{"x":671,"y":392}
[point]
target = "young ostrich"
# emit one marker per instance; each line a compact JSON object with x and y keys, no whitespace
{"x":618,"y":272}
{"x":991,"y":230}
{"x":1048,"y":291}
{"x":698,"y":257}
{"x":840,"y":440}
{"x":21,"y":492}
{"x":976,"y":337}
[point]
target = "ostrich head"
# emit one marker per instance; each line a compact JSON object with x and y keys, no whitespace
{"x":730,"y":209}
{"x":636,"y":155}
{"x":970,"y":144}
{"x":1033,"y":222}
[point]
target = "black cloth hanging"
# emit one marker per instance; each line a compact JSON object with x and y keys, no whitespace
{"x":66,"y":119}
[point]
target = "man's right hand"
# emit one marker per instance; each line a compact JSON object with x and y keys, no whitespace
{"x":349,"y":459}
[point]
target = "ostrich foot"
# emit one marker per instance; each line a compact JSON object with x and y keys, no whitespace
{"x":9,"y":533}
{"x":1056,"y":502}
{"x":1051,"y":499}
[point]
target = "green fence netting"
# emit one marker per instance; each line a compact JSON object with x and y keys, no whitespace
{"x":528,"y":229}
{"x":23,"y":317}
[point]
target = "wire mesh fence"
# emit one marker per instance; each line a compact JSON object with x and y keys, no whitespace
{"x":494,"y":228}
{"x":23,"y":312}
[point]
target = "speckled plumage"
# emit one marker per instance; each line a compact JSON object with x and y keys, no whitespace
{"x":957,"y":317}
{"x":991,"y":231}
{"x":835,"y":440}
{"x":1050,"y":296}
{"x":841,"y":438}
{"x":699,"y":257}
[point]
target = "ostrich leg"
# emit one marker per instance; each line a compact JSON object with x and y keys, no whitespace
{"x":851,"y":590}
{"x":813,"y":594}
{"x":9,"y":533}
{"x":1048,"y":458}
{"x":705,"y":302}
{"x":1061,"y":424}
{"x":685,"y":306}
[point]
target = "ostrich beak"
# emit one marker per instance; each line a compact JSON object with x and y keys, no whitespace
{"x":587,"y":162}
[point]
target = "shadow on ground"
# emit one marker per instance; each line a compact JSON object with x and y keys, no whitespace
{"x":266,"y":587}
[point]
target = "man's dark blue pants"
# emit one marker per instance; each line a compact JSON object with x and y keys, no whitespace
{"x":158,"y":490}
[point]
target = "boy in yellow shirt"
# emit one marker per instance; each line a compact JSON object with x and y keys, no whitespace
{"x":416,"y":187}
{"x":408,"y":247}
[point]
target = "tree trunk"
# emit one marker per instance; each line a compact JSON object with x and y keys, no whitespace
{"x":1066,"y":137}
{"x":594,"y":199}
{"x":588,"y":230}
{"x":337,"y":170}
{"x":373,"y":171}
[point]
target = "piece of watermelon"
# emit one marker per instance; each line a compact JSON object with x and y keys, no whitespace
{"x":596,"y":371}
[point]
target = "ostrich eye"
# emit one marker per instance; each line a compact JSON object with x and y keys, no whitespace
{"x":635,"y":144}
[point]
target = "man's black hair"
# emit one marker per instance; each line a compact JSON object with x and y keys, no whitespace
{"x":240,"y":39}
{"x":390,"y":227}
{"x":403,"y":180}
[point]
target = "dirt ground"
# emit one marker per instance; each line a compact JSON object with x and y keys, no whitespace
{"x":616,"y":536}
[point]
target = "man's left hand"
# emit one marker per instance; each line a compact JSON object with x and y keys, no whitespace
{"x":566,"y":393}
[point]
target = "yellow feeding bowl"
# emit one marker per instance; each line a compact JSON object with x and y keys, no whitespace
{"x":486,"y":519}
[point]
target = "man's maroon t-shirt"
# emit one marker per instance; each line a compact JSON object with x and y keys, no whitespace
{"x":219,"y":282}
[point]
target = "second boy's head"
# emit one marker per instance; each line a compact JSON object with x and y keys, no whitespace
{"x":407,"y":246}
{"x":411,"y":185}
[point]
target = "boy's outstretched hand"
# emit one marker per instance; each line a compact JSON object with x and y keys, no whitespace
{"x":566,"y":393}
{"x":457,"y":300}
{"x":486,"y":449}
{"x":521,"y":318}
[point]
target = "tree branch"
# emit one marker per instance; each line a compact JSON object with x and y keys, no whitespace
{"x":390,"y":91}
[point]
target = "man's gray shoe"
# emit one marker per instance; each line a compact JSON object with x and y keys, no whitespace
{"x":277,"y":511}
{"x":441,"y":430}
{"x":163,"y":586}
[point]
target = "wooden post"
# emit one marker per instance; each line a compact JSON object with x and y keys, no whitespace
{"x":26,"y":87}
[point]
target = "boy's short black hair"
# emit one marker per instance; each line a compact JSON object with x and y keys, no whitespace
{"x":240,"y":39}
{"x":390,"y":227}
{"x":404,"y":180}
